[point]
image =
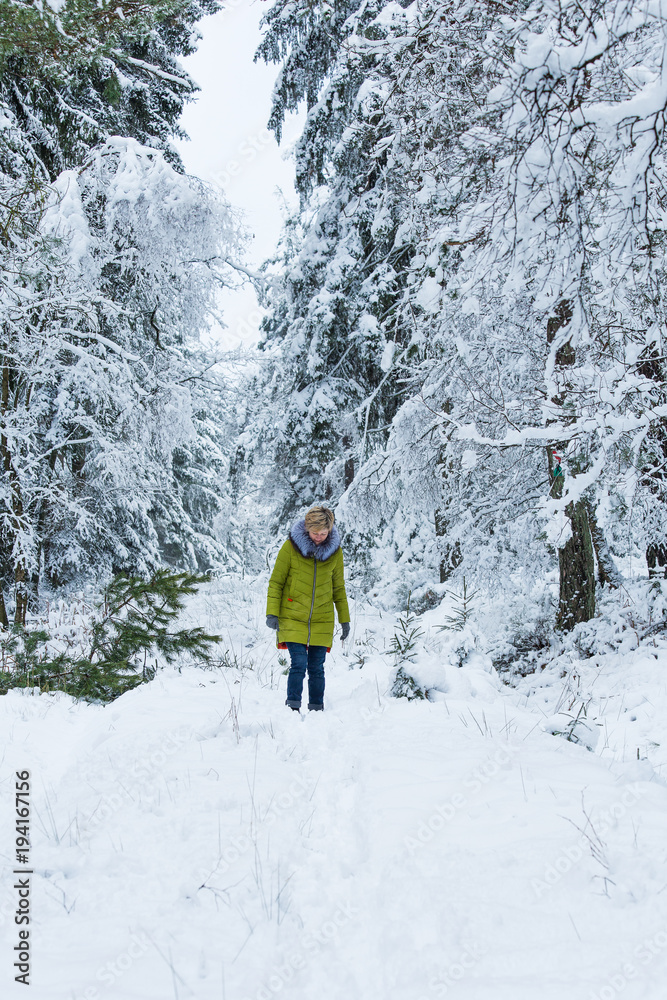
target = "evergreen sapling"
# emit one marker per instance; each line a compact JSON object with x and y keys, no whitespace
{"x":462,"y":612}
{"x":134,"y":628}
{"x":404,"y":648}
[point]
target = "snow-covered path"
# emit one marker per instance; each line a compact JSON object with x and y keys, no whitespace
{"x":197,"y":839}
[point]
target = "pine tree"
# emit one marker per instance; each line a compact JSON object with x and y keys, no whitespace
{"x":132,"y":630}
{"x":333,"y":314}
{"x":111,"y":259}
{"x":75,"y":76}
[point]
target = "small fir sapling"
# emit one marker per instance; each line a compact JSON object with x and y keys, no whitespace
{"x":462,"y":612}
{"x":405,"y":686}
{"x":134,"y":628}
{"x":574,"y":728}
{"x":404,"y":640}
{"x":404,"y":648}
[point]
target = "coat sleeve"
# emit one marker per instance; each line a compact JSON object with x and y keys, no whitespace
{"x":338,"y":583}
{"x":277,"y":580}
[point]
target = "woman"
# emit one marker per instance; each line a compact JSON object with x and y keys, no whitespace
{"x":307,"y":580}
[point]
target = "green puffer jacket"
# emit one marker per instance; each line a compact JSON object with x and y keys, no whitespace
{"x":307,"y":580}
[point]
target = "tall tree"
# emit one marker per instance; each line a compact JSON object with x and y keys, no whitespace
{"x":76,"y":73}
{"x":111,"y":447}
{"x":98,"y":413}
{"x":522,"y":150}
{"x":333,"y":312}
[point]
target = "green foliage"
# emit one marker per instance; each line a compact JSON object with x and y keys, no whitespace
{"x":405,"y":686}
{"x":404,"y":647}
{"x":113,"y":91}
{"x":462,"y":612}
{"x":20,"y":648}
{"x":61,"y":73}
{"x":137,"y":616}
{"x":576,"y":728}
{"x":133,"y":629}
{"x":404,"y":640}
{"x":83,"y":31}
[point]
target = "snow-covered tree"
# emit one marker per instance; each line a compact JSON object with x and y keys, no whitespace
{"x":333,"y":310}
{"x":76,"y":72}
{"x":113,"y":419}
{"x":514,"y":156}
{"x":104,"y":424}
{"x":566,"y":236}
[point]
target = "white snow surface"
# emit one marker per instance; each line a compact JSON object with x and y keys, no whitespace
{"x":196,"y":838}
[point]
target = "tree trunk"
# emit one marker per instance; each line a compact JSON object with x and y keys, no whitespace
{"x":21,"y":584}
{"x":450,"y":555}
{"x":21,"y":595}
{"x":576,"y":559}
{"x":656,"y":560}
{"x":576,"y":564}
{"x":349,"y":460}
{"x":20,"y":570}
{"x":653,"y":470}
{"x":4,"y":405}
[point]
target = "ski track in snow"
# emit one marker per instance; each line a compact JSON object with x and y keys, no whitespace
{"x":197,"y":839}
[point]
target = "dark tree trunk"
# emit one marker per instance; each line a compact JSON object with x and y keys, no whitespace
{"x":654,"y":470}
{"x":450,"y":554}
{"x":576,"y":559}
{"x":576,"y":564}
{"x":21,"y":595}
{"x":22,"y":584}
{"x":349,"y":460}
{"x":656,"y":560}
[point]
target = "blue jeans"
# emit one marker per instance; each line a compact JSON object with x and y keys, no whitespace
{"x":304,"y":658}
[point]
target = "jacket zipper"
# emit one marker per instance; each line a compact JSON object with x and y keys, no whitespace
{"x":312,"y":603}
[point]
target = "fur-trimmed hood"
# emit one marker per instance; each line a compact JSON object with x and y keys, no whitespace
{"x":300,"y":538}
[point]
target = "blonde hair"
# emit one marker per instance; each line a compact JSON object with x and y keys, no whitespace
{"x":319,"y":519}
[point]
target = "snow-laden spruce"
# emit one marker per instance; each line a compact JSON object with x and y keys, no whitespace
{"x":105,"y":413}
{"x":474,"y":307}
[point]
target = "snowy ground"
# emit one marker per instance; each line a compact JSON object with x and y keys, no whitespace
{"x":197,"y":839}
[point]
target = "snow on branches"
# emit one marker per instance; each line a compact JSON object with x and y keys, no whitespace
{"x":101,"y":309}
{"x":486,"y":182}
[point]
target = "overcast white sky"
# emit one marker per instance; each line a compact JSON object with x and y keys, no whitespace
{"x":230,"y":145}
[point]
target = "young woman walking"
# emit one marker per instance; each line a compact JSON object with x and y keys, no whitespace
{"x":306,"y":582}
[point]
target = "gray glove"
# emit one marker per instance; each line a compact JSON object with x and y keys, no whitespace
{"x":272,"y":621}
{"x":346,"y":630}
